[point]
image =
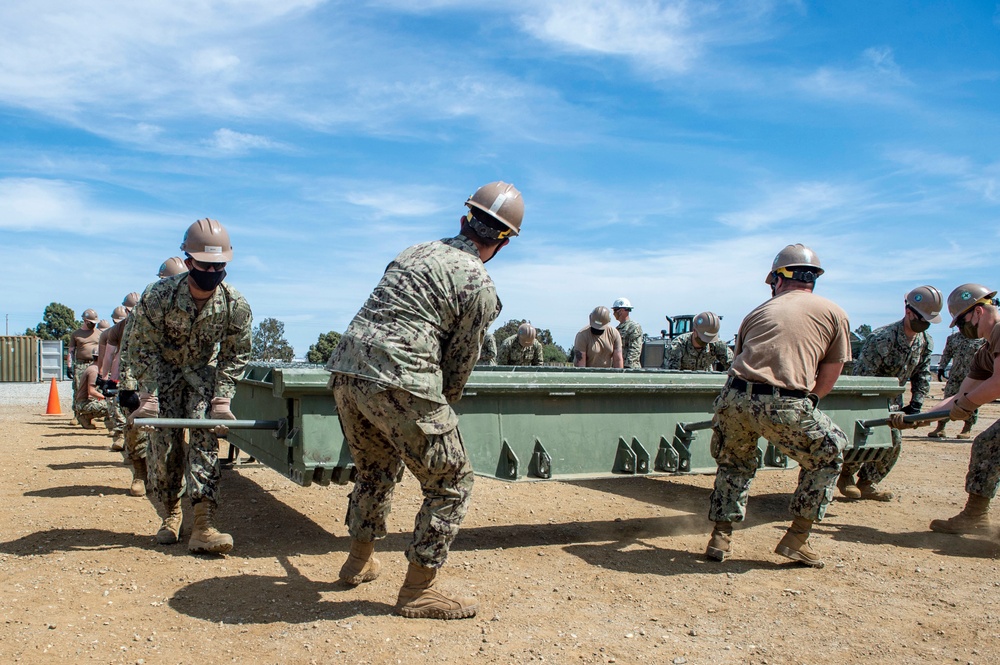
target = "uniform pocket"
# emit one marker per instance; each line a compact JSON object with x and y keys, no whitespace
{"x":439,"y":421}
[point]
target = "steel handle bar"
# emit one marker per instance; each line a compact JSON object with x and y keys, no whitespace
{"x":914,"y":418}
{"x":199,"y":423}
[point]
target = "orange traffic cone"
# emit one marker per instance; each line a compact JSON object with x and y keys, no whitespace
{"x":53,"y":407}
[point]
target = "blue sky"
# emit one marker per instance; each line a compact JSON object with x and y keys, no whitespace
{"x":665,"y":150}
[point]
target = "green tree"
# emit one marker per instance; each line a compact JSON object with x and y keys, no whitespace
{"x":58,"y":322}
{"x":863,"y":331}
{"x":543,"y":335}
{"x":554,"y":354}
{"x":269,"y":342}
{"x":324,"y":346}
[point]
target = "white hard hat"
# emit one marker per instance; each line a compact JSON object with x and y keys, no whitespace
{"x":621,"y":303}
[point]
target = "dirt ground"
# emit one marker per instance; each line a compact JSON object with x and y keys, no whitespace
{"x":606,"y":571}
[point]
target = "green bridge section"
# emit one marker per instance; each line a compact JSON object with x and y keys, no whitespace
{"x":542,"y":423}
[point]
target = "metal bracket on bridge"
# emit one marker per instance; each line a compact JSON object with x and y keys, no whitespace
{"x":508,"y":463}
{"x":667,"y":458}
{"x":682,"y":441}
{"x":631,"y":458}
{"x":863,"y":428}
{"x":774,"y":457}
{"x":540,"y":465}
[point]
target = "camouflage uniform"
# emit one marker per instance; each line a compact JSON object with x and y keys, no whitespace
{"x":684,"y":355}
{"x":187,"y":357}
{"x":959,"y":350}
{"x":488,"y":353}
{"x":136,"y":441}
{"x":86,"y":406}
{"x":794,"y":426}
{"x":632,"y":338}
{"x":887,"y":352}
{"x":512,"y":353}
{"x":404,"y":359}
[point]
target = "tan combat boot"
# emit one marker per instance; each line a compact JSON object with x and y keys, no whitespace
{"x":938,"y":432}
{"x":973,"y":518}
{"x":170,"y":529}
{"x":847,"y":487}
{"x":360,"y":566}
{"x":116,"y":443}
{"x":870,"y":492}
{"x":795,"y":544}
{"x":86,"y":422}
{"x":419,"y":599}
{"x":205,"y":537}
{"x":138,"y":487}
{"x":721,"y":544}
{"x":966,"y":432}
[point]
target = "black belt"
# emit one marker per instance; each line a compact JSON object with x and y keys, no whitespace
{"x":764,"y":389}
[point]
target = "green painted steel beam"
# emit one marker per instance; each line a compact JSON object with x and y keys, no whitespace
{"x":543,"y":423}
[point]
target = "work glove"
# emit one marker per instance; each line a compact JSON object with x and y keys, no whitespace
{"x":910,"y":409}
{"x":149,"y":407}
{"x":110,"y":384}
{"x":962,"y":408}
{"x":221,"y":411}
{"x":128,"y":399}
{"x":99,"y":382}
{"x":896,"y":421}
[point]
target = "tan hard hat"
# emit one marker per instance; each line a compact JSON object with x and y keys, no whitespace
{"x":119,"y":314}
{"x":526,"y":334}
{"x":103,"y":324}
{"x":90,"y":315}
{"x":131,"y":300}
{"x":172,"y":266}
{"x":706,"y":325}
{"x":600,"y":318}
{"x":794,"y":256}
{"x":928,"y":302}
{"x":208,"y":241}
{"x":965,"y":297}
{"x":501,"y":201}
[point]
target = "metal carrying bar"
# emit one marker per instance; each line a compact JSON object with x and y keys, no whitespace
{"x":200,"y":423}
{"x":912,"y":418}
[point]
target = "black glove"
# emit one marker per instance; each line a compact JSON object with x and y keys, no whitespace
{"x":110,"y":384}
{"x":940,"y":375}
{"x":100,"y":383}
{"x":128,"y":399}
{"x":910,"y":409}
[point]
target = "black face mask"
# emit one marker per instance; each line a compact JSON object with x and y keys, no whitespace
{"x":205,"y":280}
{"x":90,"y":325}
{"x":919,"y":325}
{"x":597,"y":332}
{"x":968,"y":329}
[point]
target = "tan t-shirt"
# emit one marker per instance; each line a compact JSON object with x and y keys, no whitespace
{"x":784,"y":340}
{"x":600,"y":349}
{"x":82,"y":344}
{"x":982,"y":362}
{"x":89,"y":380}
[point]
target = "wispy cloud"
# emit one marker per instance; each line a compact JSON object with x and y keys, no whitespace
{"x":981,"y":179}
{"x":29,"y":204}
{"x":228,"y":142}
{"x":805,"y":202}
{"x":876,"y":78}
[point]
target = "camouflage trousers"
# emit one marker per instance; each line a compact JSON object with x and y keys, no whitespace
{"x":792,"y":425}
{"x":78,"y":369}
{"x":984,"y":463}
{"x":387,"y":429}
{"x":94,"y":408}
{"x":115,"y":420}
{"x":176,"y":467}
{"x":136,"y":442}
{"x":951,"y":388}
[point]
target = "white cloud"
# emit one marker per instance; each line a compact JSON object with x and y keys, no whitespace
{"x":57,"y":206}
{"x":876,"y":79}
{"x":229,"y":142}
{"x":805,"y":202}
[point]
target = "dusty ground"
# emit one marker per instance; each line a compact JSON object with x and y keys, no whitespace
{"x":587,"y":572}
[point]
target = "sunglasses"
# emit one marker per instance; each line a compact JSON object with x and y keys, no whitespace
{"x":208,"y":267}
